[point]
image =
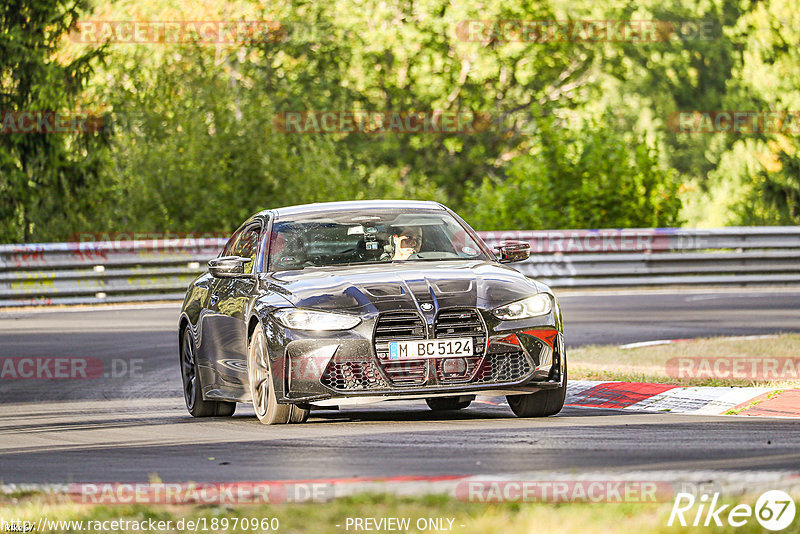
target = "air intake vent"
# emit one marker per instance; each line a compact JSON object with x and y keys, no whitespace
{"x":352,"y":375}
{"x":400,"y":326}
{"x":451,"y":323}
{"x":405,"y":373}
{"x":504,"y":367}
{"x":458,"y":323}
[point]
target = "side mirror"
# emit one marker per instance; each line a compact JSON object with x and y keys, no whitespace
{"x":511,"y":251}
{"x":228,"y":267}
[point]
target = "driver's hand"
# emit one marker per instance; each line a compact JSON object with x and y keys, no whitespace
{"x":401,"y":253}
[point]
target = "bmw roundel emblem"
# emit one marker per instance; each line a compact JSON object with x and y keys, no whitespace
{"x":427,"y":306}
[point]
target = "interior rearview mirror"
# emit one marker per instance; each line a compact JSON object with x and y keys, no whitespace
{"x":228,"y":267}
{"x":511,"y":251}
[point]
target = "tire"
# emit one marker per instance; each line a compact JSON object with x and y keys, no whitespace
{"x":543,"y":403}
{"x":298,"y":415}
{"x":193,"y":389}
{"x":447,"y":404}
{"x":262,"y":390}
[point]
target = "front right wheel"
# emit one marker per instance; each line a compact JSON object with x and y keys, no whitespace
{"x":262,"y":389}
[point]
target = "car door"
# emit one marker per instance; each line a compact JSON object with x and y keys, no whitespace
{"x":226,"y":328}
{"x":207,"y":328}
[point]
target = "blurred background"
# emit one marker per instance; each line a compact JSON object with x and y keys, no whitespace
{"x":577,"y":129}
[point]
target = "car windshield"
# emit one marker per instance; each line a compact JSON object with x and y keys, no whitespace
{"x":327,"y":238}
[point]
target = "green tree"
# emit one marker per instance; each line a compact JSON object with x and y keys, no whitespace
{"x":196,"y":148}
{"x":49,"y":183}
{"x":768,"y":79}
{"x":589,"y":177}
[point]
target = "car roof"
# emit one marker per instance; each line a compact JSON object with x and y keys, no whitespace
{"x":353,"y":205}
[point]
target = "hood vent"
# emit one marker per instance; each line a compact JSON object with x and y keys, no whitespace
{"x":384,"y":290}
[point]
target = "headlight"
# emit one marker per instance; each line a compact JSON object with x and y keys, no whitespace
{"x":314,"y":320}
{"x":534,"y":306}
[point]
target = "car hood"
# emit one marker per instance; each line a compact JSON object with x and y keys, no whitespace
{"x":425,"y":286}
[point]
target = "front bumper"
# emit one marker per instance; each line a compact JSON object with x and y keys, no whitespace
{"x":326,"y":368}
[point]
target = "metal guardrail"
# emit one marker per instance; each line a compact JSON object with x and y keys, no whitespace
{"x":102,"y":271}
{"x":141,"y":270}
{"x":761,"y":255}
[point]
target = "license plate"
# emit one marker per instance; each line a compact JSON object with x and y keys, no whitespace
{"x":430,"y":348}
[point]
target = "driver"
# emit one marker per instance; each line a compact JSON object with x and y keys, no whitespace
{"x":406,"y":240}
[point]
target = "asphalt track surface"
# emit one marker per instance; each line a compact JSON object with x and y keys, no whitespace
{"x":134,"y":425}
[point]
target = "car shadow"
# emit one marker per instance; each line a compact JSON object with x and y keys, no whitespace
{"x":478,"y":411}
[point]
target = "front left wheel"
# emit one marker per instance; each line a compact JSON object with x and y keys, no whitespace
{"x":192,"y":388}
{"x":262,"y":389}
{"x":546,"y":402}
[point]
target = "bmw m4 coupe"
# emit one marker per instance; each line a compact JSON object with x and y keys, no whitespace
{"x":333,"y":304}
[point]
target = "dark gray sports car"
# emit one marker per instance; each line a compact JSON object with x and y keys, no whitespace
{"x":341,"y":303}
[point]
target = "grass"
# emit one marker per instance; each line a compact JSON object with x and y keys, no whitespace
{"x":649,"y":364}
{"x":505,"y":518}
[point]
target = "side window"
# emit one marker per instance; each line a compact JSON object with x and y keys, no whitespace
{"x":228,"y":249}
{"x":264,"y":247}
{"x":247,"y":246}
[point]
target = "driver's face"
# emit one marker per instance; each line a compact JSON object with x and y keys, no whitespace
{"x":410,"y":240}
{"x":406,"y":243}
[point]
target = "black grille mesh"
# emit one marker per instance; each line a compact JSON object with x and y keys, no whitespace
{"x":503,"y":367}
{"x":353,"y":375}
{"x":451,"y":323}
{"x":384,"y":374}
{"x":458,"y":323}
{"x":400,"y":326}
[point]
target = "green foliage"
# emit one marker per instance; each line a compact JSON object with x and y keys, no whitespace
{"x":584,"y":178}
{"x":49,"y":183}
{"x":774,"y":197}
{"x":196,"y":150}
{"x":191,"y":143}
{"x":768,"y":79}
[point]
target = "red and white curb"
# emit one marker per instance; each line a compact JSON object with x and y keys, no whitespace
{"x":768,"y":402}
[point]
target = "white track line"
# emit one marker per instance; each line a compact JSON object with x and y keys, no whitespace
{"x":687,"y":340}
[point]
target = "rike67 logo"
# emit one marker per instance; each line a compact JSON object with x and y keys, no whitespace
{"x":774,"y":510}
